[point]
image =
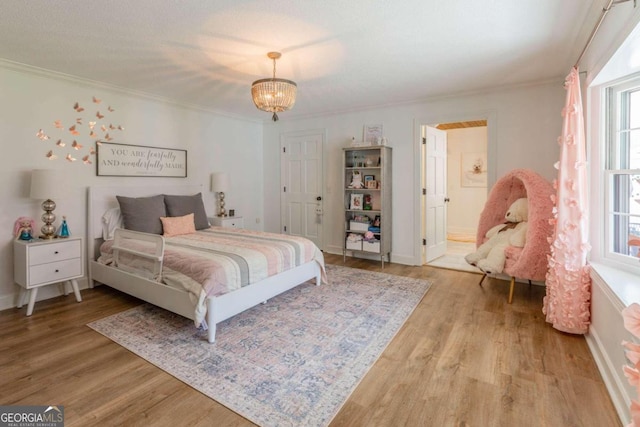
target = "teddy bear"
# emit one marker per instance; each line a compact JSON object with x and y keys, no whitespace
{"x":490,"y":256}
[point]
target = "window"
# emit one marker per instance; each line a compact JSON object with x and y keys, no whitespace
{"x":622,"y":233}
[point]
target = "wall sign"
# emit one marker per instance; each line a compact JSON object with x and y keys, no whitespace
{"x":138,"y":160}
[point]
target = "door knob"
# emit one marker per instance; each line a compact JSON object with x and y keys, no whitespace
{"x":447,"y":200}
{"x":319,"y":198}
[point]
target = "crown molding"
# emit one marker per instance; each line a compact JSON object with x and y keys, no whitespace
{"x":94,"y":84}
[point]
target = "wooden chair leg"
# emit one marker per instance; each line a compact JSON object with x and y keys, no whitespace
{"x":513,"y":282}
{"x":481,"y":280}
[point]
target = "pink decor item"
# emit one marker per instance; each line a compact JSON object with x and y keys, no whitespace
{"x":530,"y":261}
{"x":631,"y":317}
{"x":567,"y":302}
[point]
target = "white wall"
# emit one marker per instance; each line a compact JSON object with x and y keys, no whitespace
{"x":33,"y":99}
{"x":524,"y":123}
{"x":466,"y":203}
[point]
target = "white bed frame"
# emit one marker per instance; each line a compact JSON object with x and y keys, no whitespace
{"x":101,"y":198}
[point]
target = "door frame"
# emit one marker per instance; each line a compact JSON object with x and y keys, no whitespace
{"x":429,"y":120}
{"x":298,"y":133}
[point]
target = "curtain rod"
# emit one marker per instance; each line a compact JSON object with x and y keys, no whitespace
{"x":597,"y":27}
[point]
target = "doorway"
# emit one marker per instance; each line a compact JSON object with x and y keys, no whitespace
{"x":466,"y":181}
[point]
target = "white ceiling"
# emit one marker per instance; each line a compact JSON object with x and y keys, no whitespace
{"x":344,"y":55}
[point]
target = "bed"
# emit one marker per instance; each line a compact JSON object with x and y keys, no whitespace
{"x":211,"y":307}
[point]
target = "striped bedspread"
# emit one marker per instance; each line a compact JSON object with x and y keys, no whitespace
{"x":220,"y":260}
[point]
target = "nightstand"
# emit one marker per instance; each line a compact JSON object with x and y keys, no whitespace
{"x":227,"y":221}
{"x":44,"y":262}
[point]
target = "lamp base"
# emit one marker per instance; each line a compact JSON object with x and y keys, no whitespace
{"x":48,"y":217}
{"x":221,"y":211}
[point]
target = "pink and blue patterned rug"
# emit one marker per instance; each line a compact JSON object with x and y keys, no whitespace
{"x":291,"y":362}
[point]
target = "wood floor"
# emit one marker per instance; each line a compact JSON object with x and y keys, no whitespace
{"x":464,"y":358}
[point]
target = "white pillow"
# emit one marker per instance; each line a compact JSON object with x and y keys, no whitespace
{"x":111,"y":220}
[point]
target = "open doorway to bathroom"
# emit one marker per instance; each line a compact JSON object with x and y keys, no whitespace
{"x":465,"y":194}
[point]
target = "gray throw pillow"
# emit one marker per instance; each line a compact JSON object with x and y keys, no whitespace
{"x":142,"y":213}
{"x":184,"y":205}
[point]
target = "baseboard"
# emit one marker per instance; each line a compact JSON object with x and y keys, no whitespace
{"x":44,"y":293}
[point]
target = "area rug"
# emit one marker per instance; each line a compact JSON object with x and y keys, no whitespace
{"x":291,"y":362}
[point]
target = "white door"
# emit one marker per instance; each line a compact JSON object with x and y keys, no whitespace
{"x":301,"y":184}
{"x":435,"y":216}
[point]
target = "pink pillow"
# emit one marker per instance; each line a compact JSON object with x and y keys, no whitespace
{"x":177,"y":225}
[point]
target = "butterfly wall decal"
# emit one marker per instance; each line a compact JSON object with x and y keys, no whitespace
{"x":78,"y":130}
{"x":43,"y":136}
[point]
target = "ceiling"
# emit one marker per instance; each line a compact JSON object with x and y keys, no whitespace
{"x":344,"y":55}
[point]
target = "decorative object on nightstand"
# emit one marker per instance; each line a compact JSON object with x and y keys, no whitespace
{"x":220,"y":184}
{"x":45,"y":262}
{"x":63,"y":231}
{"x":45,"y":184}
{"x":23,"y":228}
{"x":227,"y":221}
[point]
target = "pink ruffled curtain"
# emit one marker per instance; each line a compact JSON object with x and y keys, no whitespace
{"x":566,"y":304}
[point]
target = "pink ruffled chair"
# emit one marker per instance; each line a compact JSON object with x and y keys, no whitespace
{"x":529,"y":262}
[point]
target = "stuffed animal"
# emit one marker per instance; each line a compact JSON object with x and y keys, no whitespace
{"x":490,"y":256}
{"x":23,"y":228}
{"x":356,"y":180}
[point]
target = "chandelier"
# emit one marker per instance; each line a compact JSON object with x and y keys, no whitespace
{"x":274,"y":95}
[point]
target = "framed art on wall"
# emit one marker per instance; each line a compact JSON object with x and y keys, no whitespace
{"x":473,"y":167}
{"x":114,"y":159}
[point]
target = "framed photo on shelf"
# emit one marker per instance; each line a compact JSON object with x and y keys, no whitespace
{"x":356,"y":201}
{"x":371,"y":185}
{"x":373,"y":134}
{"x":369,"y":178}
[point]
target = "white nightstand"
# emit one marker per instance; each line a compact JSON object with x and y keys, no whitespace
{"x":44,"y":262}
{"x":227,"y":221}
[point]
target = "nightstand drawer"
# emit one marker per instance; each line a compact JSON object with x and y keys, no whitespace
{"x":227,"y":221}
{"x":42,"y":254}
{"x":54,"y":271}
